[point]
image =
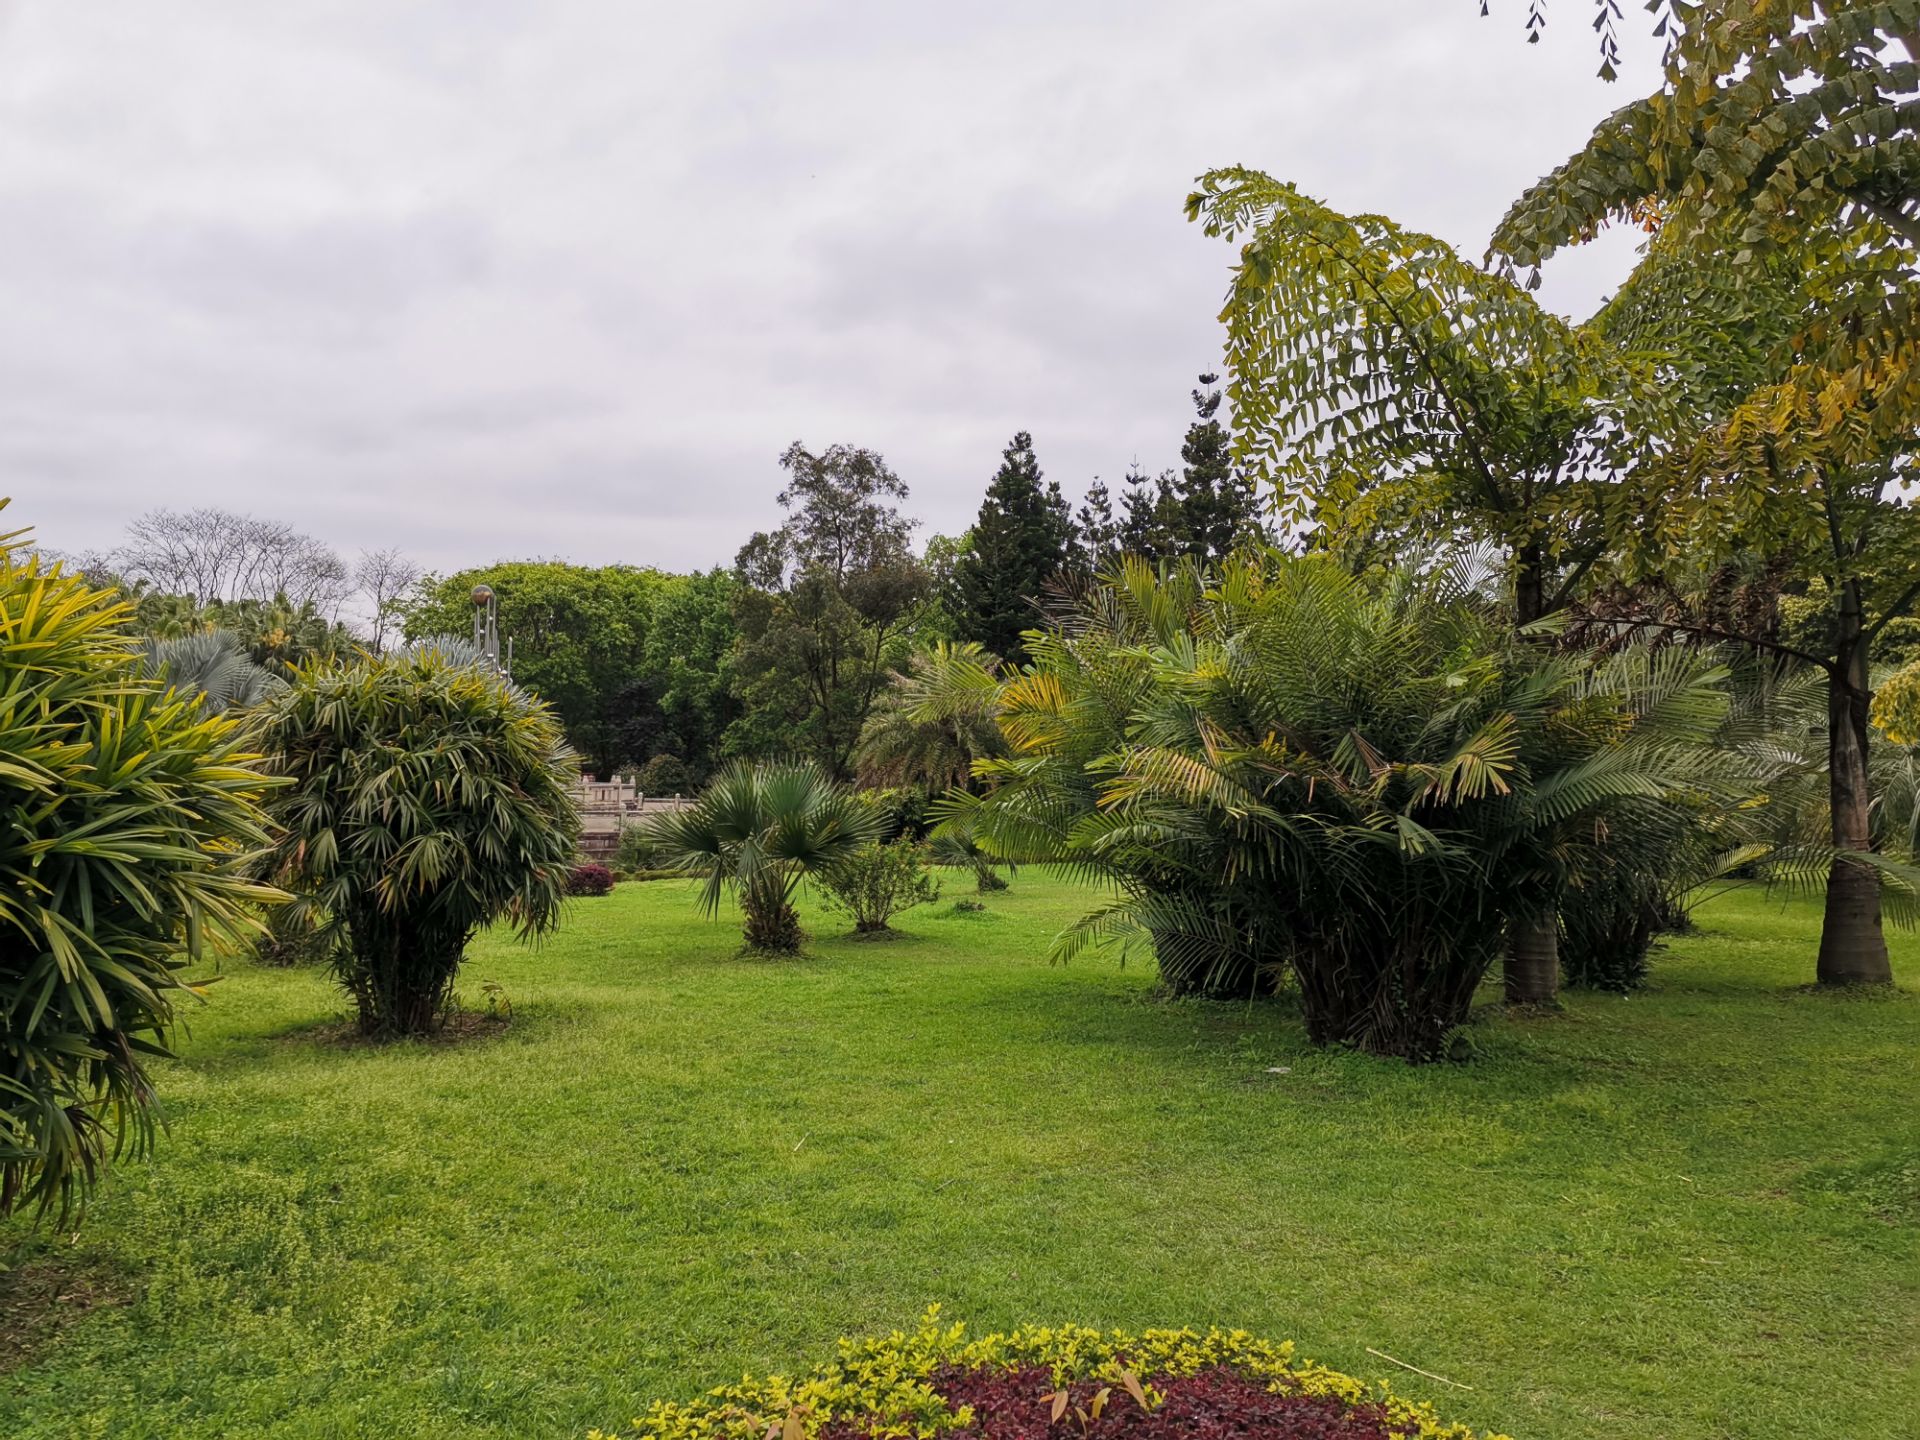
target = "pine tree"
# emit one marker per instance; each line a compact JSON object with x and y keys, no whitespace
{"x":1216,"y":501}
{"x":1152,"y":525}
{"x":1020,"y":542}
{"x":1099,"y":529}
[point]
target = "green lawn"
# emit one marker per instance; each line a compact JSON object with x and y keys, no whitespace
{"x":1695,"y":1212}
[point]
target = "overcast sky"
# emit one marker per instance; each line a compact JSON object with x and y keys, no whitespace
{"x":490,"y":280}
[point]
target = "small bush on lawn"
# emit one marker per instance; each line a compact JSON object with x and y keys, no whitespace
{"x":1042,"y":1382}
{"x":638,"y":850}
{"x":879,"y":881}
{"x":589,"y":879}
{"x":758,"y":830}
{"x":954,"y":846}
{"x":430,"y":798}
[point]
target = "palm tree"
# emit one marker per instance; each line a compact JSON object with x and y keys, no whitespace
{"x":759,"y":829}
{"x":1291,"y":771}
{"x":213,"y":667}
{"x":428,"y":798}
{"x":935,"y":720}
{"x":132,"y":821}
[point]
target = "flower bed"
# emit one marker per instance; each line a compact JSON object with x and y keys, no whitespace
{"x":1066,"y":1383}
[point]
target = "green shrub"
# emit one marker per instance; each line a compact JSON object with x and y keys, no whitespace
{"x":637,"y":849}
{"x":877,"y":882}
{"x":127,"y":824}
{"x":429,"y":798}
{"x":896,"y":1385}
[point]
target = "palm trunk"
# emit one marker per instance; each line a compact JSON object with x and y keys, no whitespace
{"x":1532,"y":969}
{"x":1853,"y":947}
{"x":772,"y":924}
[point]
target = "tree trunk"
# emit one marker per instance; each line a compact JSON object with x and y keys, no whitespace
{"x":1529,"y":584}
{"x":1532,"y":969}
{"x":1853,"y":947}
{"x":1533,"y":961}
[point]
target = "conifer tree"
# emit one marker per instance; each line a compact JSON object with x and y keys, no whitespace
{"x":1216,"y":500}
{"x":1099,"y":529}
{"x":1020,"y":542}
{"x":1151,"y":521}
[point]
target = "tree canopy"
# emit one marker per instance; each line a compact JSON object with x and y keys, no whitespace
{"x":579,"y":637}
{"x":1382,"y":381}
{"x":825,"y":608}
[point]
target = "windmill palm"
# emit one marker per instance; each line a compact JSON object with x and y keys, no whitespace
{"x":759,"y":830}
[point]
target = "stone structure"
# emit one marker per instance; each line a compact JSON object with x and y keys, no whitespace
{"x":609,"y":806}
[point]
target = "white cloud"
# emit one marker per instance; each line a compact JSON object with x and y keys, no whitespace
{"x":539,"y":278}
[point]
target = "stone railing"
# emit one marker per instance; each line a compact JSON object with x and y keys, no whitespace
{"x":600,"y":825}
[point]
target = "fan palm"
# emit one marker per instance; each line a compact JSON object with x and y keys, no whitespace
{"x":758,"y":830}
{"x":213,"y":668}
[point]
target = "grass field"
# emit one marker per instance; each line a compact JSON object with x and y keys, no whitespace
{"x":1694,"y":1212}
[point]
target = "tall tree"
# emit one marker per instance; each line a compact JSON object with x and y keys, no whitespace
{"x":843,"y":517}
{"x":385,"y":578}
{"x":1098,"y":529}
{"x":825,"y":607}
{"x":688,"y":668}
{"x":941,"y":559}
{"x":1379,"y":377}
{"x":1022,"y":539}
{"x":1218,"y":508}
{"x":934,"y":721}
{"x":1779,"y":115}
{"x":1785,"y":138}
{"x":1803,"y":474}
{"x":1151,"y":522}
{"x":217,"y":555}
